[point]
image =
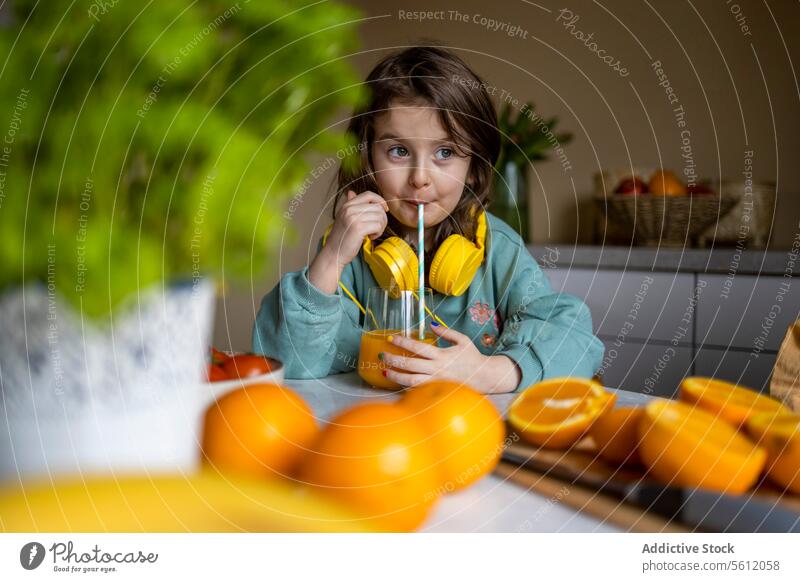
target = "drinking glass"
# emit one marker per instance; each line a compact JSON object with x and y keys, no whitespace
{"x":391,"y":313}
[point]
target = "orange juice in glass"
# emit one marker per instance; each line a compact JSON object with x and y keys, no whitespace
{"x":390,"y":314}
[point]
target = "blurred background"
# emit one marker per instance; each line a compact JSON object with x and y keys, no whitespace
{"x":730,"y":66}
{"x":649,"y":160}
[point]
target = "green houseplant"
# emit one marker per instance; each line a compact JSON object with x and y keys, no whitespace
{"x":139,"y":128}
{"x":144,"y":147}
{"x":525,"y":138}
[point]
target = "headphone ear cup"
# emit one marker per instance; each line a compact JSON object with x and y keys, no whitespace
{"x":394,"y":265}
{"x":455,"y":265}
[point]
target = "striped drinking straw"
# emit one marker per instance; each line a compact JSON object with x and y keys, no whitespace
{"x":421,"y":257}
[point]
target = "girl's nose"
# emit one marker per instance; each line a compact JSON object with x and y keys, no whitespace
{"x":419,"y":177}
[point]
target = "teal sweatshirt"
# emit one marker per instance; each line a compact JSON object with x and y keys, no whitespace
{"x":509,"y":309}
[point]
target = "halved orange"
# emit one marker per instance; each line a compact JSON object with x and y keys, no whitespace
{"x":556,"y":413}
{"x":731,"y":402}
{"x":616,"y":434}
{"x":687,"y":446}
{"x":779,"y":434}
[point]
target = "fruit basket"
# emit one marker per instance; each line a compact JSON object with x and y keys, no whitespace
{"x":676,"y":217}
{"x":665,"y":221}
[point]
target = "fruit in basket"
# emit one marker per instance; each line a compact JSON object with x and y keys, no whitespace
{"x":246,"y":366}
{"x":464,"y":428}
{"x":779,"y":434}
{"x":632,"y":185}
{"x":665,"y":183}
{"x":730,"y":402}
{"x":556,"y":413}
{"x":258,"y":430}
{"x":616,"y":435}
{"x":687,"y":446}
{"x":202,"y":502}
{"x":376,"y":458}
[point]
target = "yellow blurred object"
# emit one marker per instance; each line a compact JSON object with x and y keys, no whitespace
{"x":616,"y":434}
{"x":730,"y":402}
{"x":203,"y":502}
{"x":686,"y":446}
{"x":557,"y":412}
{"x":780,"y":436}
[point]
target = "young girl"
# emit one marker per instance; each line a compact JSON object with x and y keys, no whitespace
{"x":428,"y":136}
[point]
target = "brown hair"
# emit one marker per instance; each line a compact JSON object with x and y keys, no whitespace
{"x":441,"y":80}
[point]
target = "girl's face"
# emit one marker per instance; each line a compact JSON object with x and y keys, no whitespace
{"x":416,"y":161}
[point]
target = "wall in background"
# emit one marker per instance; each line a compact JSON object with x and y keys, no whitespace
{"x":729,"y":66}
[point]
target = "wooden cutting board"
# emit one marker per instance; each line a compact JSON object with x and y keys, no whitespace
{"x":606,"y":508}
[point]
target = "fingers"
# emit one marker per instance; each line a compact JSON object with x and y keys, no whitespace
{"x":451,"y":335}
{"x":406,"y":379}
{"x":370,"y":223}
{"x":354,"y":212}
{"x":363,"y":215}
{"x":365,"y":198}
{"x":415,"y":347}
{"x":406,"y":364}
{"x":373,"y":229}
{"x":364,"y":212}
{"x":356,"y":216}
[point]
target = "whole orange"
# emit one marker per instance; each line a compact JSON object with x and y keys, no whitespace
{"x":375,"y":458}
{"x":259,"y":430}
{"x":665,"y":183}
{"x":464,"y":428}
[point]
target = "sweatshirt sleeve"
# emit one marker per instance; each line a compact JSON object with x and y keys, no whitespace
{"x":313,"y":333}
{"x":547,"y":334}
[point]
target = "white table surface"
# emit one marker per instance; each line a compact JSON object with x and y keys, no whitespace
{"x":490,"y":505}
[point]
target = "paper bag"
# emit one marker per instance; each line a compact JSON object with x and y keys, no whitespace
{"x":785,"y":384}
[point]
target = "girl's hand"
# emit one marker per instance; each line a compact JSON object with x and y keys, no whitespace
{"x":362,"y":215}
{"x":462,"y":361}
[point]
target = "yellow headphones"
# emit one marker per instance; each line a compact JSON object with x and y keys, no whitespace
{"x":394,"y":263}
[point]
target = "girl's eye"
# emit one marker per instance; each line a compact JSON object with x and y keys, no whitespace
{"x":444,"y":154}
{"x":398,"y":151}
